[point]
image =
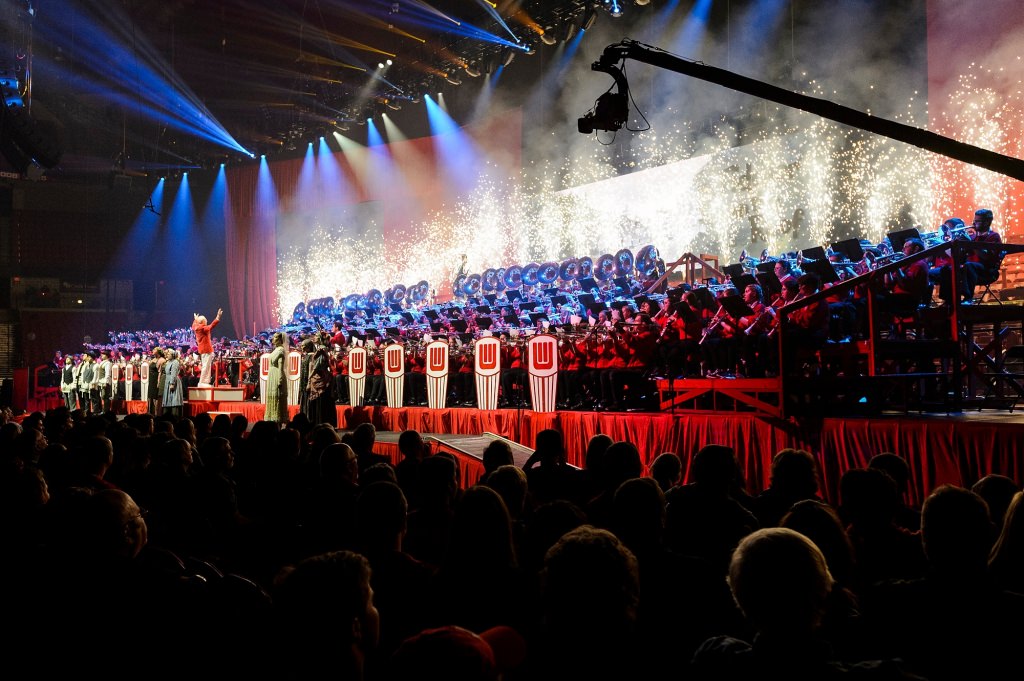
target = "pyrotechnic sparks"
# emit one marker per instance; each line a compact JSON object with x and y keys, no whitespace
{"x":766,"y":178}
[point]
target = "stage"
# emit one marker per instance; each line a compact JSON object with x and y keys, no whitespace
{"x":957,"y":449}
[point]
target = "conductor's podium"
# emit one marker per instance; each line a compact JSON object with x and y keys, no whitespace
{"x":216,"y":394}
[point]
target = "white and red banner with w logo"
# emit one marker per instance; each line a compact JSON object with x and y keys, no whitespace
{"x":437,"y":374}
{"x":264,"y":372}
{"x":356,"y":376}
{"x":144,"y":380}
{"x":394,"y":375}
{"x":292,"y":368}
{"x":487,"y":364}
{"x":542,"y":365}
{"x":129,"y":381}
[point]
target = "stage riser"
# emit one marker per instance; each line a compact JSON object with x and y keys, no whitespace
{"x":938,"y":451}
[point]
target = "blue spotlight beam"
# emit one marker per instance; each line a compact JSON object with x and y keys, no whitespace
{"x":111,"y":64}
{"x":497,"y":17}
{"x":457,"y":153}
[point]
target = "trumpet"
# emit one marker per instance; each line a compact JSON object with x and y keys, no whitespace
{"x":898,"y":255}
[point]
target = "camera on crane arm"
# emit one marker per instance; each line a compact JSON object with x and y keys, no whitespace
{"x":611,"y":110}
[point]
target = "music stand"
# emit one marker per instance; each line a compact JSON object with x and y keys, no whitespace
{"x":466,"y":338}
{"x":596,"y":309}
{"x":484,"y":323}
{"x":436,"y":326}
{"x":483,"y":309}
{"x":743,"y":281}
{"x":640,"y":300}
{"x":537,"y":317}
{"x":527,"y":307}
{"x":511,"y":319}
{"x":407,"y":316}
{"x":587,"y":300}
{"x":396,"y":307}
{"x":431,"y":315}
{"x":704,"y":297}
{"x":766,"y":266}
{"x":735,"y":306}
{"x":851,"y":249}
{"x":769,"y":282}
{"x":683,"y":309}
{"x":393,"y":332}
{"x":372,"y":334}
{"x":490,"y":298}
{"x":814,"y":253}
{"x":513,"y":295}
{"x":823,"y":268}
{"x":897,"y":239}
{"x":588,"y":283}
{"x":734,"y":271}
{"x":460,"y":325}
{"x":559,"y":300}
{"x":621,"y":283}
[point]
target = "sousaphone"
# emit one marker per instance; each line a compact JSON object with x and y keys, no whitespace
{"x":514,"y":276}
{"x":548,"y":272}
{"x":624,"y":262}
{"x":604,"y":267}
{"x":531,"y":274}
{"x":569,"y":269}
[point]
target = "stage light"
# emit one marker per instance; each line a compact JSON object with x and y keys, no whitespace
{"x":393,"y":105}
{"x":589,"y":17}
{"x":472,"y":70}
{"x":380,"y":65}
{"x":389,"y":62}
{"x":548,"y":36}
{"x":453,"y":79}
{"x":508,"y":56}
{"x":614,"y":8}
{"x":642,"y":2}
{"x":529,"y":49}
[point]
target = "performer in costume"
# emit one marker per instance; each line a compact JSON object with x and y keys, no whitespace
{"x":203,"y":332}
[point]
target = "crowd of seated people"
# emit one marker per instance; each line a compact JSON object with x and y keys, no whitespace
{"x":160,"y":546}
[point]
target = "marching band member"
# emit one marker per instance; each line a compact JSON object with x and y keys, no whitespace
{"x":982,"y":266}
{"x":718,"y":344}
{"x":907,"y":287}
{"x":629,"y":384}
{"x":753,"y":336}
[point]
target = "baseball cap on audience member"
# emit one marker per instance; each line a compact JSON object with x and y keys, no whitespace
{"x":462,"y":654}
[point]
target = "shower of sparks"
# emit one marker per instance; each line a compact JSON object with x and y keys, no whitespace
{"x":772,"y":178}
